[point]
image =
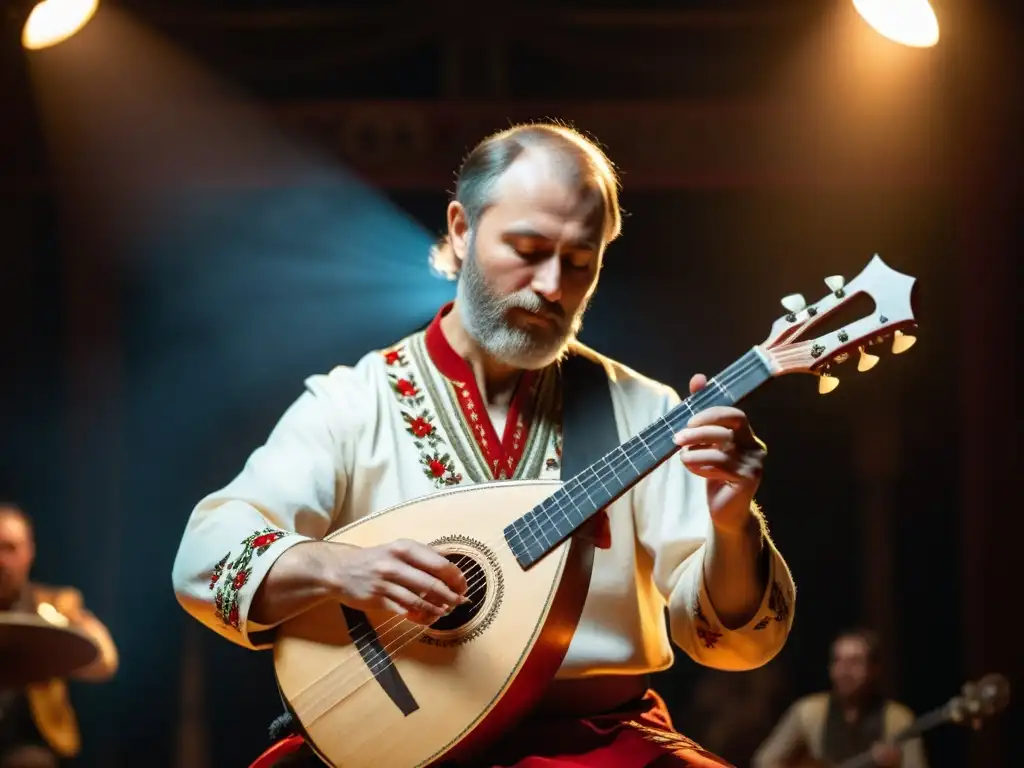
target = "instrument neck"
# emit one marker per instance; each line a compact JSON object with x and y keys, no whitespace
{"x":924,"y":723}
{"x":544,"y":527}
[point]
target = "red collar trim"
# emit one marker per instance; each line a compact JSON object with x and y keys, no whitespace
{"x":447,"y":360}
{"x":501,"y":454}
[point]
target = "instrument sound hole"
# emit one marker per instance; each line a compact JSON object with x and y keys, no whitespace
{"x":476,"y":581}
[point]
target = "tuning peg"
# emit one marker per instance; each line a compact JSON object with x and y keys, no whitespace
{"x":826,"y":383}
{"x":835,"y":282}
{"x":794,"y":302}
{"x":901,"y":342}
{"x":867,"y":361}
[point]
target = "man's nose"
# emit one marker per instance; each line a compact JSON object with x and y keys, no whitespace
{"x":547,"y":278}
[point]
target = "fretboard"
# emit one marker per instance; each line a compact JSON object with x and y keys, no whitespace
{"x":544,"y":527}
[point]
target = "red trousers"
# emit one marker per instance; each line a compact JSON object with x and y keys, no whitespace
{"x":638,"y":736}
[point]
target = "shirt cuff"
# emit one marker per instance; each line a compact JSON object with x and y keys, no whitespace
{"x":746,"y":647}
{"x":236,"y":578}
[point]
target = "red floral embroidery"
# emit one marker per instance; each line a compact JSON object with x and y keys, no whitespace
{"x":406,"y":388}
{"x":225,"y":599}
{"x":394,"y":356}
{"x":421,"y":427}
{"x":708,"y":636}
{"x":440,"y":469}
{"x":264,"y":541}
{"x":437,"y":463}
{"x":777,"y":603}
{"x":218,"y":569}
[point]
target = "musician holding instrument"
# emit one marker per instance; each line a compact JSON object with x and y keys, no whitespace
{"x":854,"y":719}
{"x":44,"y":629}
{"x":476,"y":398}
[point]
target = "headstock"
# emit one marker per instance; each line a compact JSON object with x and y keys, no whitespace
{"x":791,"y":349}
{"x":979,"y":699}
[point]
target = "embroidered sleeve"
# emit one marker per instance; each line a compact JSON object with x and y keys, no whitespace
{"x":672,"y":523}
{"x":697,"y":629}
{"x":231,"y":576}
{"x":288,"y":492}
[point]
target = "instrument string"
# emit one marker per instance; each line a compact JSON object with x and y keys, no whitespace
{"x":378,"y":662}
{"x":729,"y":377}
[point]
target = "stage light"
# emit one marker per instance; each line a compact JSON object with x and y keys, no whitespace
{"x":910,"y":22}
{"x":53,"y":21}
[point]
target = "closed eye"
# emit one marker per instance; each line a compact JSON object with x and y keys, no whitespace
{"x":538,"y":249}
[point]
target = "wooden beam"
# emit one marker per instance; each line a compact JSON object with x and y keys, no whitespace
{"x":655,"y":144}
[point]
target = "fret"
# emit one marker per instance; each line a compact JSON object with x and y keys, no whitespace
{"x":604,"y":481}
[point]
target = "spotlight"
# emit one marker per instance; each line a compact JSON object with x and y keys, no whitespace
{"x":910,"y":22}
{"x":49,"y":22}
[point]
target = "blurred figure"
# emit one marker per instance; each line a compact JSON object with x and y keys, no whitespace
{"x":853,"y":718}
{"x":38,"y":726}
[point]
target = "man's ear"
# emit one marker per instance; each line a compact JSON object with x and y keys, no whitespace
{"x":458,"y":230}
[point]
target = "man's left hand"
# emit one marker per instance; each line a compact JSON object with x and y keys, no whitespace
{"x":719,"y":446}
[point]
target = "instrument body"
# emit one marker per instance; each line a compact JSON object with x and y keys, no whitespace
{"x":370,"y":689}
{"x":502,"y":650}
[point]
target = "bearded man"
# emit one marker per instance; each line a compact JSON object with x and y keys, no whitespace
{"x":476,"y":397}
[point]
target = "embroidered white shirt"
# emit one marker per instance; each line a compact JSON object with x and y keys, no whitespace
{"x":406,"y":421}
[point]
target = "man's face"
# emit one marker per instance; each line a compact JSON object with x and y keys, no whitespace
{"x":531,"y":264}
{"x":851,"y":669}
{"x":16,"y":553}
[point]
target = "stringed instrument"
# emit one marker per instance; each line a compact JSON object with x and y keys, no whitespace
{"x":978,"y":700}
{"x":374,"y":689}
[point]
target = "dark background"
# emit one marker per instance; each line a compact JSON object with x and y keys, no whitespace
{"x":165,"y":287}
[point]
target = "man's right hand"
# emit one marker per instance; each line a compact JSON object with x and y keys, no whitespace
{"x":404,"y":577}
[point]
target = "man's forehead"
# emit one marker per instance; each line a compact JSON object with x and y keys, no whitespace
{"x":850,"y":645}
{"x":550,"y":190}
{"x":11,"y":520}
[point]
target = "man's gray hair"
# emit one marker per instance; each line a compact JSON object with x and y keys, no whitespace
{"x":487,"y":163}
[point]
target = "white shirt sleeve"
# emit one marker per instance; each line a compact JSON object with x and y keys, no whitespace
{"x":288,"y":492}
{"x":673,"y":522}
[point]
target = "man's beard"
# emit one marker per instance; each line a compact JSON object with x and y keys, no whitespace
{"x":485,"y":317}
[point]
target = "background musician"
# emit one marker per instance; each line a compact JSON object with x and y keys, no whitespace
{"x":38,"y":727}
{"x":853,"y":718}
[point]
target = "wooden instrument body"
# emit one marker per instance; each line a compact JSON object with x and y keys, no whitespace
{"x":459,"y":687}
